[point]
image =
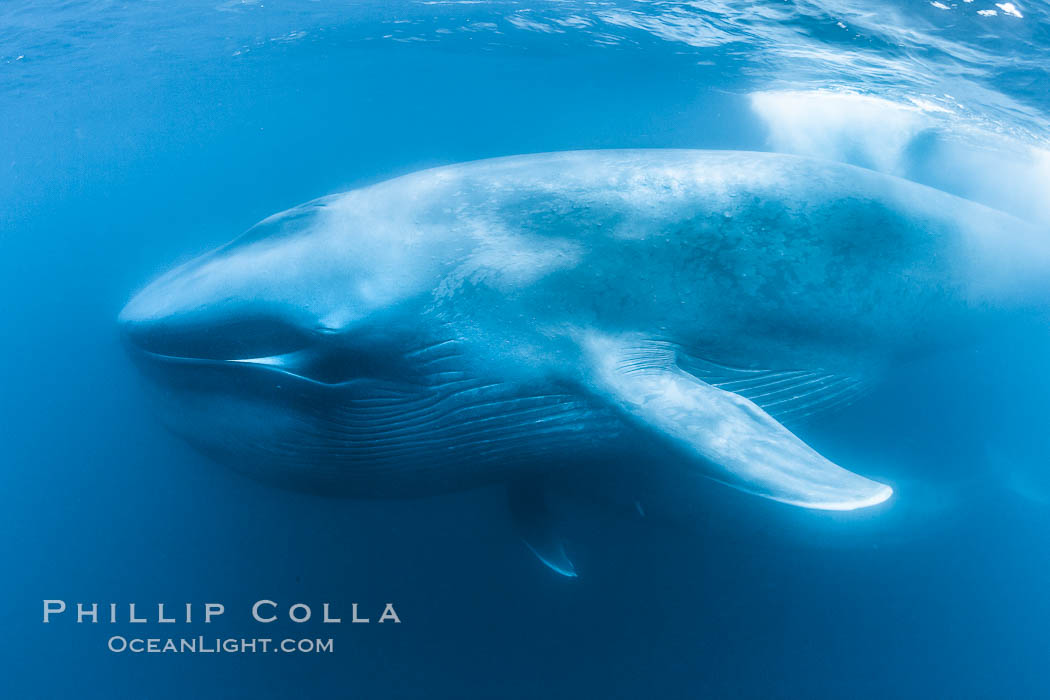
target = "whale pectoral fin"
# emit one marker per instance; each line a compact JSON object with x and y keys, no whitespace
{"x":736,"y":441}
{"x":535,"y":525}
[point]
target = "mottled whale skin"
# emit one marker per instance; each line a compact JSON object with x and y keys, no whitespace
{"x":493,"y":320}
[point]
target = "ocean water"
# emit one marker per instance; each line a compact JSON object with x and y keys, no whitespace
{"x":138,"y":135}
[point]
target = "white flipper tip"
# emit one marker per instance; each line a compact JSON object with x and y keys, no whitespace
{"x":877,"y":495}
{"x":880,"y":495}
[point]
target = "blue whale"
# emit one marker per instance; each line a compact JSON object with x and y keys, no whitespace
{"x":498,"y":320}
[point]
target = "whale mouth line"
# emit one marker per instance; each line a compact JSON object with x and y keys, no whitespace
{"x":278,"y":364}
{"x":250,"y":344}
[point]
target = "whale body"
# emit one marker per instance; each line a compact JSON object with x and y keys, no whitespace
{"x":501,"y":319}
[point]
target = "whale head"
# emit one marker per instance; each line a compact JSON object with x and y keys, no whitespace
{"x":261,"y":349}
{"x":320,"y":351}
{"x":287,"y":283}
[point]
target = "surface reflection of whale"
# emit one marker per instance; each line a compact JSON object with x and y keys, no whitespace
{"x":500,"y":320}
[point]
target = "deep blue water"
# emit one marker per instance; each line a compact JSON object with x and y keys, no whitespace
{"x":138,"y":135}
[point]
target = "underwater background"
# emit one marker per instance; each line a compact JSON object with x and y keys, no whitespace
{"x":134,"y":135}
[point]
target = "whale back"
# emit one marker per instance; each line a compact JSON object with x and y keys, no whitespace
{"x":759,"y":260}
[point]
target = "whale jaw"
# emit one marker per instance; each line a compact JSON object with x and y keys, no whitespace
{"x":337,"y":423}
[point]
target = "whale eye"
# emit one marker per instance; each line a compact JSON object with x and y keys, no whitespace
{"x":223,"y":338}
